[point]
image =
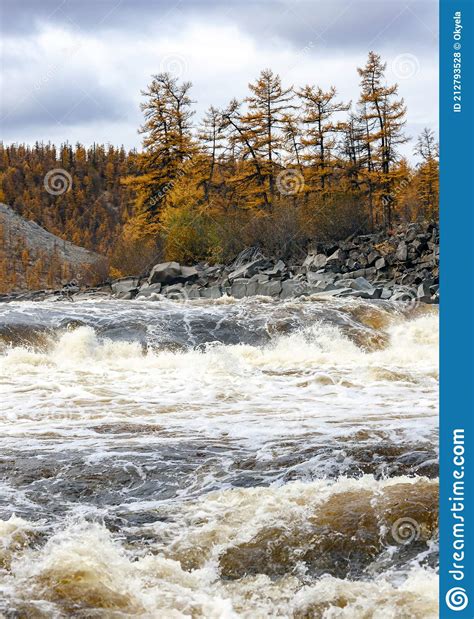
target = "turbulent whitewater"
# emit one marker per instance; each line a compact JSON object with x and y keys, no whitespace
{"x":218,"y":459}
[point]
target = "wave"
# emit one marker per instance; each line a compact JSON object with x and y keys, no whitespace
{"x":237,"y":550}
{"x":409,"y":344}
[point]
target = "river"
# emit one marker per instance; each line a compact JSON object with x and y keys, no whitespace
{"x":218,"y":459}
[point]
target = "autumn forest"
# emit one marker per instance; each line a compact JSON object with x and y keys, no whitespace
{"x":279,"y":168}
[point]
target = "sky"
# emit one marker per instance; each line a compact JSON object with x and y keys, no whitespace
{"x":73,"y":69}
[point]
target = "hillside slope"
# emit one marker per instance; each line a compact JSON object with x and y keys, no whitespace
{"x":32,"y":257}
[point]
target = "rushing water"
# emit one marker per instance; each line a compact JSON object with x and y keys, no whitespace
{"x":218,"y":459}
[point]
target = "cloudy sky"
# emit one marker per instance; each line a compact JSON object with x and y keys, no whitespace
{"x":73,"y":69}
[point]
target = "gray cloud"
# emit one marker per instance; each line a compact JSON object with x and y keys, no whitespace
{"x":72,"y":65}
{"x":346,"y":22}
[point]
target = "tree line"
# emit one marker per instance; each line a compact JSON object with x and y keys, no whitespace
{"x":282,"y":166}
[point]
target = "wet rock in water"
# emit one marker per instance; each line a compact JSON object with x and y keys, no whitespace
{"x":213,"y":292}
{"x":191,"y":291}
{"x":270,"y":289}
{"x":149,"y":290}
{"x":293,"y":288}
{"x":239,"y":288}
{"x":125,"y":288}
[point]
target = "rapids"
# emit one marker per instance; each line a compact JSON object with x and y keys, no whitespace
{"x":218,"y":459}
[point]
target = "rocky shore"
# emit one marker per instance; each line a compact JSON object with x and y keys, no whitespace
{"x":402,"y":266}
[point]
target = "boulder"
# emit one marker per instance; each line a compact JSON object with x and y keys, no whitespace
{"x":426,"y":291}
{"x":125,"y":288}
{"x":238,"y":290}
{"x":360,"y":283}
{"x":175,"y":291}
{"x":213,"y":292}
{"x":188,"y":274}
{"x":248,"y":269}
{"x":165,"y":273}
{"x":276,"y":270}
{"x":293,"y":288}
{"x":375,"y":293}
{"x":191,"y":291}
{"x":314,"y":262}
{"x":372,"y":257}
{"x":149,"y":290}
{"x":259,"y":278}
{"x":411,"y":235}
{"x":270,"y":289}
{"x":402,"y":252}
{"x":336,"y":292}
{"x":313,"y":277}
{"x":338,"y":256}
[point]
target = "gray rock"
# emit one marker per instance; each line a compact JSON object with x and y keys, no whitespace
{"x":238,"y":290}
{"x":314,"y":262}
{"x":270,"y":289}
{"x":165,"y":273}
{"x":293,"y":288}
{"x":125,"y":288}
{"x":337,"y":292}
{"x":402,"y":252}
{"x":192,"y":292}
{"x":358,"y":273}
{"x":276,"y":270}
{"x":259,"y":278}
{"x":188,"y":274}
{"x":247,"y":270}
{"x":337,"y":256}
{"x":213,"y":292}
{"x":372,"y":257}
{"x":149,"y":290}
{"x":426,"y":290}
{"x":360,"y":283}
{"x":380,"y":264}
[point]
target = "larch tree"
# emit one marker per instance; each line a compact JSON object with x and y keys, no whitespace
{"x":385,"y":117}
{"x":248,"y":179}
{"x":319,"y":110}
{"x":428,"y":171}
{"x":212,"y":139}
{"x":168,"y":144}
{"x":267,"y":105}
